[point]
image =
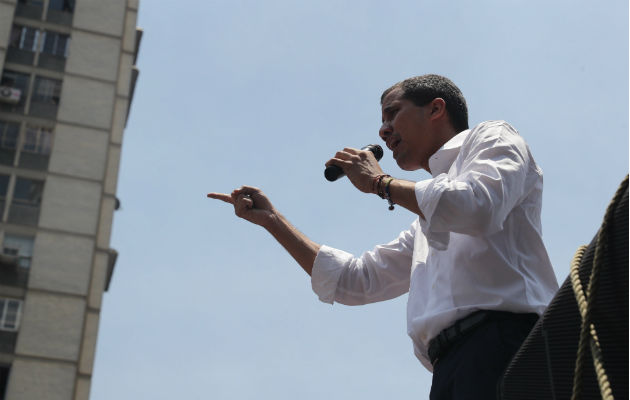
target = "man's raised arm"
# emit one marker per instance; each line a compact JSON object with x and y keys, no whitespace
{"x":251,"y":204}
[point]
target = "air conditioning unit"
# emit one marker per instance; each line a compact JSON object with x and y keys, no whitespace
{"x":10,"y":95}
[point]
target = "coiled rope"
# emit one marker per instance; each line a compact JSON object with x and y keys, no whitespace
{"x":588,"y":333}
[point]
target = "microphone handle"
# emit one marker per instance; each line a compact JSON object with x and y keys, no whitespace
{"x":333,"y":172}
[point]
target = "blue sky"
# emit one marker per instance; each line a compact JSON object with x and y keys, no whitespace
{"x":204,"y":305}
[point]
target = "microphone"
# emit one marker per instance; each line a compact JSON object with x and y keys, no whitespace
{"x":333,"y":172}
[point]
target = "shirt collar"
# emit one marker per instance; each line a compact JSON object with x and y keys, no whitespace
{"x":441,"y":160}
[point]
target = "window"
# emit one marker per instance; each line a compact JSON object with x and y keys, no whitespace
{"x":30,"y":9}
{"x":4,"y":377}
{"x":10,"y":311}
{"x":47,"y":90}
{"x":35,"y":150}
{"x":27,"y":196}
{"x":24,"y":38}
{"x":54,"y":51}
{"x":20,"y":248}
{"x":45,"y":97}
{"x":8,"y":141}
{"x":61,"y":5}
{"x":56,"y":44}
{"x":4,"y":188}
{"x":60,"y":11}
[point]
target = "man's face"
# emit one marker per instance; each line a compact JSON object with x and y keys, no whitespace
{"x":407,"y":131}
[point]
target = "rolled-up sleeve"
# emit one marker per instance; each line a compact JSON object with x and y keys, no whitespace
{"x":377,"y":275}
{"x":489,"y":182}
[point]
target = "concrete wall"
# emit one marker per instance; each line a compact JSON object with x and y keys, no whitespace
{"x":51,"y":326}
{"x":79,"y":151}
{"x":70,"y":205}
{"x":86,"y":102}
{"x":34,"y":379}
{"x":91,"y":55}
{"x":6,"y":19}
{"x":61,"y":263}
{"x":100,"y":16}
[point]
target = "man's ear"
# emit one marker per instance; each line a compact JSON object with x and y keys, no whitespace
{"x":438,"y":108}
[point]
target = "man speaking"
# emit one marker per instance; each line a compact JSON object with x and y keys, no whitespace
{"x":473,"y":262}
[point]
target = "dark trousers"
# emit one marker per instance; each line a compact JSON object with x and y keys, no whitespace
{"x":472,"y":366}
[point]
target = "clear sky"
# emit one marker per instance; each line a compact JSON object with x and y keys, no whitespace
{"x":203,"y":305}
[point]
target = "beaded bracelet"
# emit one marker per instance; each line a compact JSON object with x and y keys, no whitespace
{"x":388,"y":195}
{"x":376,"y":185}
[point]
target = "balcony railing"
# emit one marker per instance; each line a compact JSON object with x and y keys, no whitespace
{"x":49,"y":61}
{"x":59,"y":17}
{"x":25,"y":214}
{"x":19,"y":56}
{"x":32,"y":11}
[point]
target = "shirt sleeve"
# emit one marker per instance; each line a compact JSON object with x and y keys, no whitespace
{"x":380,"y":274}
{"x":492,"y":178}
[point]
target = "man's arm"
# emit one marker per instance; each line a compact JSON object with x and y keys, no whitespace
{"x":251,"y":204}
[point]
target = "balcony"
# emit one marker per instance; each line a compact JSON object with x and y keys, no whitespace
{"x":19,"y":56}
{"x":29,"y":9}
{"x":33,"y":160}
{"x":52,"y":62}
{"x":59,"y":17}
{"x":23,"y":213}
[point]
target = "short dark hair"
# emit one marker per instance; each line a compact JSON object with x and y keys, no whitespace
{"x":421,"y":90}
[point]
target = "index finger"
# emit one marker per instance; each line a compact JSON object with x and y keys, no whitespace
{"x":221,"y":196}
{"x":351,"y":150}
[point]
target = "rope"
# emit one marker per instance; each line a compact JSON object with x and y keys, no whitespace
{"x":588,"y":333}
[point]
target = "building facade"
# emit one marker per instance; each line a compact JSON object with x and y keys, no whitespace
{"x":68,"y":73}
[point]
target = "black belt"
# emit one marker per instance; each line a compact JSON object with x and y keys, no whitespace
{"x":439,"y":345}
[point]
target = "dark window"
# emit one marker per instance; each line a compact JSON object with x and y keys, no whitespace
{"x":24,"y":37}
{"x":47,"y":90}
{"x":56,"y":44}
{"x":61,"y":5}
{"x":60,"y":11}
{"x":4,"y":188}
{"x":30,"y":9}
{"x":4,"y":377}
{"x":22,"y":45}
{"x":54,"y":51}
{"x":27,"y":197}
{"x":45,"y":98}
{"x":36,"y":145}
{"x":8,"y":141}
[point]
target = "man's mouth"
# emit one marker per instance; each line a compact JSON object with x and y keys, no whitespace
{"x":393,"y":145}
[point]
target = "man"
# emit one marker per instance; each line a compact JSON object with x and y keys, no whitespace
{"x":473,"y":262}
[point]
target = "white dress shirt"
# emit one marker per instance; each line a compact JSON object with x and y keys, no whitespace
{"x":479,"y":248}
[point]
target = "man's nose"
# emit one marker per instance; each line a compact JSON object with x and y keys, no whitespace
{"x":385,"y":131}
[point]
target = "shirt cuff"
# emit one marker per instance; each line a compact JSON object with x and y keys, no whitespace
{"x":327,"y":268}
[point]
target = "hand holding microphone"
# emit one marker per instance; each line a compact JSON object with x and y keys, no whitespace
{"x":361,"y":166}
{"x":333,"y":172}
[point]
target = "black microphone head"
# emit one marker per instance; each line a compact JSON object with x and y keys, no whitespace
{"x":375,"y":149}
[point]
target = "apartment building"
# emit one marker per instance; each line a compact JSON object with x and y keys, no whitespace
{"x":66,"y":86}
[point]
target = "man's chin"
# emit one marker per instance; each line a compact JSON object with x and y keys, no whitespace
{"x":406,"y":166}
